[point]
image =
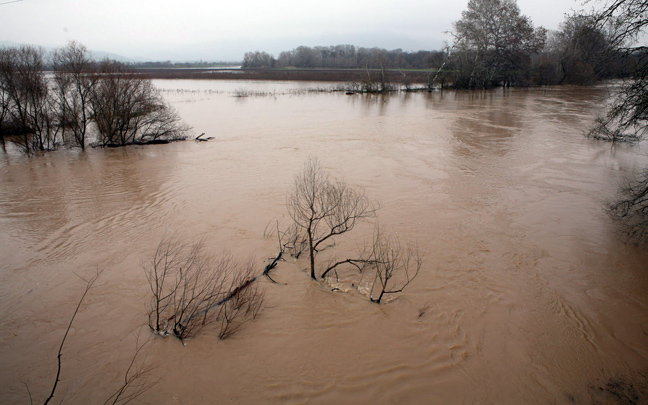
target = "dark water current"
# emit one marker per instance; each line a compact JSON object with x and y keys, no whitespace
{"x":529,"y":295}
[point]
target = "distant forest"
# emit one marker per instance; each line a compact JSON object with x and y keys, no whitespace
{"x":345,"y":57}
{"x":181,"y":65}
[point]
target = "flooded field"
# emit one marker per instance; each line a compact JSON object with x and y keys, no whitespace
{"x":526,"y":295}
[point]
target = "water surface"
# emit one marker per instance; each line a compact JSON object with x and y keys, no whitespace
{"x":528,"y":293}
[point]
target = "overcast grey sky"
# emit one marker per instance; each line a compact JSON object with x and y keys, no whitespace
{"x":225,"y":30}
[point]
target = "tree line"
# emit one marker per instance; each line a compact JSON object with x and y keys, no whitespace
{"x":344,"y":57}
{"x":82,"y":102}
{"x":494,"y":44}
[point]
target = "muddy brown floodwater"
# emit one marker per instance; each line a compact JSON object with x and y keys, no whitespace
{"x":529,"y":295}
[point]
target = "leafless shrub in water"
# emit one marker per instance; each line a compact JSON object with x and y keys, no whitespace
{"x":630,"y":210}
{"x":322,"y":208}
{"x":191,"y":290}
{"x":395,"y":265}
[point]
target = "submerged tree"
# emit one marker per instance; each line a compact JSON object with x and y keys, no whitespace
{"x":109,"y":100}
{"x":395,"y":265}
{"x":390,"y":264}
{"x":28,"y":114}
{"x":627,"y":119}
{"x":631,"y":208}
{"x":75,"y":77}
{"x":322,"y":208}
{"x":494,"y":44}
{"x":128,"y":109}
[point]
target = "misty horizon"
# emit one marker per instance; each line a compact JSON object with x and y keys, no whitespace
{"x":197,"y":30}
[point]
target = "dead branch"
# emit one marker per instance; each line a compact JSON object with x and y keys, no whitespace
{"x":272,"y":265}
{"x":89,"y":283}
{"x":135,"y":378}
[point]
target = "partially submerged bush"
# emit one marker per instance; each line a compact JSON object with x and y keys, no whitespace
{"x":192,"y":290}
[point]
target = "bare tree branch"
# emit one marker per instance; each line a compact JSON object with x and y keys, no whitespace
{"x":135,"y":377}
{"x":89,"y":284}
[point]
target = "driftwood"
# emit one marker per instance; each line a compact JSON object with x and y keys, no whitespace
{"x":199,"y":138}
{"x":266,"y":271}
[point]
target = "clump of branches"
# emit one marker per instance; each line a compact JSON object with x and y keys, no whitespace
{"x":191,"y":290}
{"x":321,"y":209}
{"x":627,"y":119}
{"x":631,"y":209}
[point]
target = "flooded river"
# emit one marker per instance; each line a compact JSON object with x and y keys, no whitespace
{"x":526,"y":295}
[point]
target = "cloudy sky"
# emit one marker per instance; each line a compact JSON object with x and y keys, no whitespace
{"x":219,"y":30}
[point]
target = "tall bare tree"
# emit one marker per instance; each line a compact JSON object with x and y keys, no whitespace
{"x":493,"y":43}
{"x":75,"y":78}
{"x":28,"y":118}
{"x":627,"y":119}
{"x":323,"y":208}
{"x":128,"y":109}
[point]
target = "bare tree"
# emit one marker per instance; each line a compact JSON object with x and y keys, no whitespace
{"x":192,"y":290}
{"x":627,"y":119}
{"x":75,"y":76}
{"x":323,"y":208}
{"x":128,"y":109}
{"x":28,"y":115}
{"x":494,"y":42}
